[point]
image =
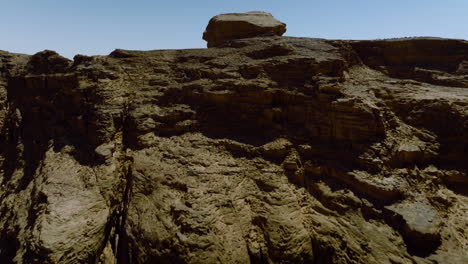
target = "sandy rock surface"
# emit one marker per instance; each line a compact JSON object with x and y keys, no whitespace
{"x":272,"y":150}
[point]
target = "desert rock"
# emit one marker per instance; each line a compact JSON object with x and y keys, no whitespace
{"x":272,"y":150}
{"x":225,"y":27}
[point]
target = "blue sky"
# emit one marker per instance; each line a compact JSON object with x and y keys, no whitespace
{"x":96,"y":27}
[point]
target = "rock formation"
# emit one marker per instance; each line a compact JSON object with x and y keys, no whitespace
{"x":269,"y":150}
{"x":225,"y":27}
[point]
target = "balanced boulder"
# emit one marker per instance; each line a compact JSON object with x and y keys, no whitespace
{"x":225,"y":27}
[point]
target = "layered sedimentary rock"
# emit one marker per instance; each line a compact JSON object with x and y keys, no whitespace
{"x":272,"y":150}
{"x":225,"y":27}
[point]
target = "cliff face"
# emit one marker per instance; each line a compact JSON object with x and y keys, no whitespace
{"x":264,"y":150}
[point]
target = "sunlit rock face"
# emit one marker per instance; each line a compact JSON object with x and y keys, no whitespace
{"x":265,"y":149}
{"x":225,"y":27}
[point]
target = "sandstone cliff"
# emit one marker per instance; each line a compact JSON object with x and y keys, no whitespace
{"x":262,"y":150}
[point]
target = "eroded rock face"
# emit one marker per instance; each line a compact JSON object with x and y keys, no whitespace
{"x":225,"y":27}
{"x":272,"y":150}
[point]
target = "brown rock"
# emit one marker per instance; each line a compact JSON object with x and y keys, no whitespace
{"x":279,"y":150}
{"x":225,"y":27}
{"x":421,"y":226}
{"x":48,"y":61}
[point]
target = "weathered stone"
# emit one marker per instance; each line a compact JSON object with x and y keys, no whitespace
{"x":104,"y":150}
{"x":421,"y":225}
{"x":277,"y":149}
{"x":274,"y":150}
{"x":225,"y":27}
{"x":48,"y":61}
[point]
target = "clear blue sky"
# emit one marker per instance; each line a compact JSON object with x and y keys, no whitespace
{"x":96,"y":27}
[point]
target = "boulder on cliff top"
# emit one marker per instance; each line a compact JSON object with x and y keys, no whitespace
{"x":224,"y":27}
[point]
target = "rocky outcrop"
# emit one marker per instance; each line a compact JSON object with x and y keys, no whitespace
{"x":416,"y":59}
{"x":271,"y":150}
{"x":225,"y":27}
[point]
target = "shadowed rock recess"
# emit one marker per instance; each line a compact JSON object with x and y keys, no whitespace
{"x":264,"y":149}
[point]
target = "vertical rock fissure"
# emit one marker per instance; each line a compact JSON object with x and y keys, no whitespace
{"x":114,"y":248}
{"x":120,"y":246}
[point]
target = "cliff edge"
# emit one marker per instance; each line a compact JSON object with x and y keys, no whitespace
{"x":263,"y":149}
